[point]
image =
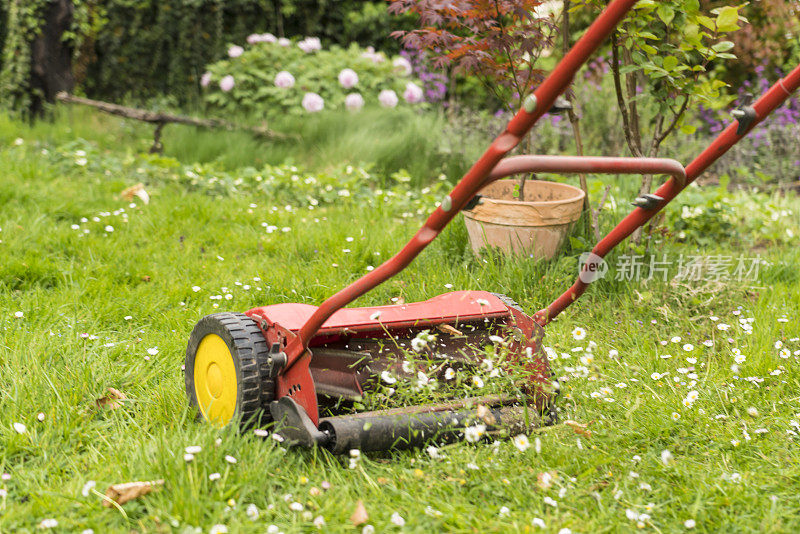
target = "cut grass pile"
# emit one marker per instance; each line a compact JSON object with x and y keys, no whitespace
{"x":689,"y":388}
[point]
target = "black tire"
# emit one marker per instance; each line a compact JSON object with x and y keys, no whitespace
{"x":255,"y":389}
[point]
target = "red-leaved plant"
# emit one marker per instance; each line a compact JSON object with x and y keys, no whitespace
{"x":499,"y":41}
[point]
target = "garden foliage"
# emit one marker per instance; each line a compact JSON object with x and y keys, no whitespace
{"x":771,"y":39}
{"x":162,"y":47}
{"x":145,"y":48}
{"x":21,"y":23}
{"x":499,"y":42}
{"x":663,"y":51}
{"x":277,"y":76}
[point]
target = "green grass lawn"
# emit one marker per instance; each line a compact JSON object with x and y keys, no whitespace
{"x":96,"y":292}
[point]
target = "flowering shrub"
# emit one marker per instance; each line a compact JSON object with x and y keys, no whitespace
{"x":434,"y":82}
{"x":273,"y":76}
{"x":769,"y":153}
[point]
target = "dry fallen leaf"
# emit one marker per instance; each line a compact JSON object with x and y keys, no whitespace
{"x":486,"y":415}
{"x":122,"y":493}
{"x":136,"y":191}
{"x":447,"y":329}
{"x":359,"y":514}
{"x":579,"y":428}
{"x":111,"y":400}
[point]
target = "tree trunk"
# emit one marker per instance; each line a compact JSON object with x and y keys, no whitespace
{"x":51,"y":56}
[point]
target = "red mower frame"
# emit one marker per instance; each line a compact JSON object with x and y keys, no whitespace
{"x":290,"y":346}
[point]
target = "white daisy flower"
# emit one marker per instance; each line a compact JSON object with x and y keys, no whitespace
{"x":88,"y":487}
{"x":578,"y":333}
{"x":387,"y":377}
{"x":397,"y":520}
{"x":473,"y":433}
{"x":521,"y":442}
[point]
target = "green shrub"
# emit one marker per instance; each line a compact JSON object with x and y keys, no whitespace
{"x":271,"y":78}
{"x":142,"y":49}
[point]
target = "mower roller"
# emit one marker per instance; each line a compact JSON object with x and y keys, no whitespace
{"x":277,"y":363}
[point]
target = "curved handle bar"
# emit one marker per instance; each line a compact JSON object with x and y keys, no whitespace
{"x":583,"y":164}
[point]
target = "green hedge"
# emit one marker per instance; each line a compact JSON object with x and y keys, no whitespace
{"x":141,"y":49}
{"x":152,"y":47}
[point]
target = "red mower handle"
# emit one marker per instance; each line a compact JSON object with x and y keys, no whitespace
{"x":536,"y":105}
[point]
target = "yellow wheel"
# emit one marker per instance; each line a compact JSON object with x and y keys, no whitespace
{"x":226,"y":369}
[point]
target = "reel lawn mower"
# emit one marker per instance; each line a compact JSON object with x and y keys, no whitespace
{"x":277,"y":363}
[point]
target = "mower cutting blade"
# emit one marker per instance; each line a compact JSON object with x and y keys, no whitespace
{"x":415,"y":426}
{"x":357,"y":346}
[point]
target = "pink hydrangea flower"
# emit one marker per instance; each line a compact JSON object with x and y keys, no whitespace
{"x":413,"y":93}
{"x":227,"y":83}
{"x":284,"y":80}
{"x":354,"y":102}
{"x":402,"y":66}
{"x":388,"y":98}
{"x":261,"y":38}
{"x":312,"y":102}
{"x":370,"y":53}
{"x":348,"y":78}
{"x":310,"y":44}
{"x":235,"y":51}
{"x":205,"y":79}
{"x":283,"y":41}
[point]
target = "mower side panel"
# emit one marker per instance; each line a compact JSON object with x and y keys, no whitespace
{"x":453,"y":306}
